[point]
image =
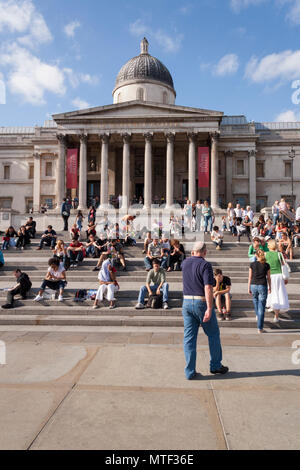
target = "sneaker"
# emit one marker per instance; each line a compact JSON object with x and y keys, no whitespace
{"x":228,"y":316}
{"x":165,"y":306}
{"x":38,"y":298}
{"x":223,"y":370}
{"x":60,"y":298}
{"x":218,"y":248}
{"x":95,"y":307}
{"x":221,"y":316}
{"x":111,"y":307}
{"x":276,"y":320}
{"x":7,"y":306}
{"x":139,"y":306}
{"x":75,"y":265}
{"x":261,"y":331}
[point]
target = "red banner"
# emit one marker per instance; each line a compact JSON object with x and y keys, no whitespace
{"x":203,"y":167}
{"x":72,"y":168}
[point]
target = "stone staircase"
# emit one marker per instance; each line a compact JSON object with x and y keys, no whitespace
{"x":232,"y":260}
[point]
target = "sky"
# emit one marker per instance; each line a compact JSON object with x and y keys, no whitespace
{"x":241,"y":57}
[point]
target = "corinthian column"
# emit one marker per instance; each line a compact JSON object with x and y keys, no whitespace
{"x":61,"y":169}
{"x":214,"y":171}
{"x":192,"y":167}
{"x":37,"y":183}
{"x":228,"y":158}
{"x":104,"y":171}
{"x":126,"y":172}
{"x":252,"y":179}
{"x":83,"y":172}
{"x":170,"y":170}
{"x":148,"y":172}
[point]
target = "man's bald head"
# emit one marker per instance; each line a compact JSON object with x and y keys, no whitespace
{"x":199,"y":248}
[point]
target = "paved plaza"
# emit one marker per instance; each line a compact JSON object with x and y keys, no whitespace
{"x":115,"y":388}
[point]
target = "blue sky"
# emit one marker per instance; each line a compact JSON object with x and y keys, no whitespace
{"x":235,"y":56}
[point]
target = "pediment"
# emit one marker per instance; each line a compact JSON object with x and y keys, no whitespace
{"x":137,"y":110}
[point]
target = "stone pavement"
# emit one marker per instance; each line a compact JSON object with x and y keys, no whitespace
{"x":124,"y":388}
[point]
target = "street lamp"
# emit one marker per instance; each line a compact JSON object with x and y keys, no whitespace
{"x":292,"y":155}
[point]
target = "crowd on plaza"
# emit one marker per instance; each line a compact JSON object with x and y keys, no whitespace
{"x":271,"y":242}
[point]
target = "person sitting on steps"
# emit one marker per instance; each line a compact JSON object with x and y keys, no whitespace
{"x":221,"y":293}
{"x":157,"y":277}
{"x":22,"y":287}
{"x":55,"y":279}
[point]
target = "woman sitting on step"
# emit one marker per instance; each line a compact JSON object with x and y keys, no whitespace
{"x":55,"y":279}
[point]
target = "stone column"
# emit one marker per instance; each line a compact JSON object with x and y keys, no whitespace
{"x":83,"y":172}
{"x":252,"y":179}
{"x":229,"y":168}
{"x":192,"y":167}
{"x":37,"y":183}
{"x":148,"y":172}
{"x":104,"y":171}
{"x":61,"y":170}
{"x":126,"y":172}
{"x":170,"y":170}
{"x":214,"y":190}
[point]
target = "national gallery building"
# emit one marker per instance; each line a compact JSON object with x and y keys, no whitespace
{"x":145,"y":146}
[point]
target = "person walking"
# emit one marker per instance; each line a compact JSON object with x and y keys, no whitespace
{"x":198,"y":281}
{"x":208,"y":215}
{"x":259,"y":284}
{"x":278,"y":298}
{"x":65,"y":213}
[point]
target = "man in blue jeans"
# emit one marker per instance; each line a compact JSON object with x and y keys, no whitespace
{"x":198,"y":280}
{"x":155,"y":284}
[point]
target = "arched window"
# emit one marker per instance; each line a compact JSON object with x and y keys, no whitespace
{"x":165,"y":97}
{"x":140,"y":94}
{"x":119,"y":98}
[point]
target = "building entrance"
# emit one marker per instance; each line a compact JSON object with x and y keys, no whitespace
{"x":93,"y":193}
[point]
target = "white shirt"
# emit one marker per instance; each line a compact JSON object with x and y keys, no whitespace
{"x":216,"y":236}
{"x":57,"y":274}
{"x":238,"y":212}
{"x":298,"y":213}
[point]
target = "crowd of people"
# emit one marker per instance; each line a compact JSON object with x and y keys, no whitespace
{"x":271,"y":242}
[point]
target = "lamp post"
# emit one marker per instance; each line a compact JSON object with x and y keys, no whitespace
{"x":292,"y":155}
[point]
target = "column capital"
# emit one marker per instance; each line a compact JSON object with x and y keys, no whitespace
{"x":126,"y":137}
{"x":192,"y":136}
{"x":252,"y":153}
{"x":170,"y":137}
{"x":215,"y":136}
{"x":83,"y":138}
{"x":62,"y":138}
{"x":228,"y":153}
{"x":104,"y":138}
{"x":148,"y":137}
{"x":37,"y":155}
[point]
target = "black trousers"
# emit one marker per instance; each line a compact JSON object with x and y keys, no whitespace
{"x":18,"y":290}
{"x":65,"y":218}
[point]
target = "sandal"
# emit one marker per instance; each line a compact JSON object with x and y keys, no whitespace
{"x":228,"y":316}
{"x":220,"y":316}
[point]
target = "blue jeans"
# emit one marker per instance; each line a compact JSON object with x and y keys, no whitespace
{"x":193,"y":312}
{"x":259,"y":297}
{"x":144,"y":292}
{"x":90,"y":251}
{"x":208,"y":220}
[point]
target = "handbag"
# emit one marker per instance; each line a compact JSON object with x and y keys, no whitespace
{"x":285,"y":269}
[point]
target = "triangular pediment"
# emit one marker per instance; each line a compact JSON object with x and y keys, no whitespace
{"x":137,"y":110}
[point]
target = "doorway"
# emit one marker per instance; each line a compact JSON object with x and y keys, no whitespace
{"x":139,"y":190}
{"x":93,"y":191}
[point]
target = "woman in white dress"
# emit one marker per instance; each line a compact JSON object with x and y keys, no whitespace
{"x":278,"y":299}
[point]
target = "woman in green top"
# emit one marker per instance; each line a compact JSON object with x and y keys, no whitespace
{"x":256,"y":245}
{"x":278,"y":299}
{"x":208,"y":215}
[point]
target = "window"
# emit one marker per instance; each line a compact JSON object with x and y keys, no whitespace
{"x":219,"y":168}
{"x":48,"y":201}
{"x":140,"y":94}
{"x":240,"y":170}
{"x":165,"y":97}
{"x":6,"y":172}
{"x":48,"y":168}
{"x":287,"y":169}
{"x":28,"y":204}
{"x":31,"y":172}
{"x":260,"y":169}
{"x":5,"y":203}
{"x":119,"y":98}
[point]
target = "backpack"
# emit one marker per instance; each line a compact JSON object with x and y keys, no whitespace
{"x":80,"y":295}
{"x":155,"y":301}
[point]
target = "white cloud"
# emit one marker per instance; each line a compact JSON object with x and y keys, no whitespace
{"x":30,"y":77}
{"x":288,"y":116}
{"x":70,"y":28}
{"x":80,"y":104}
{"x":166,"y":41}
{"x":228,"y":65}
{"x":76,"y":79}
{"x":284,"y":66}
{"x":21,"y":16}
{"x":293,"y":14}
{"x":238,"y":5}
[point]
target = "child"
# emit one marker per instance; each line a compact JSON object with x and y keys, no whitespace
{"x":224,"y":224}
{"x":217,"y":238}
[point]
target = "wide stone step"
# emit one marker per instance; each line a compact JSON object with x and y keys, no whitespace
{"x":150,"y":321}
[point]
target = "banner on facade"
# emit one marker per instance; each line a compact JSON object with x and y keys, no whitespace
{"x":72,"y":168}
{"x":203,"y":167}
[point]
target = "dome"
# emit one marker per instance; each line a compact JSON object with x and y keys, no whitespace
{"x":144,"y":67}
